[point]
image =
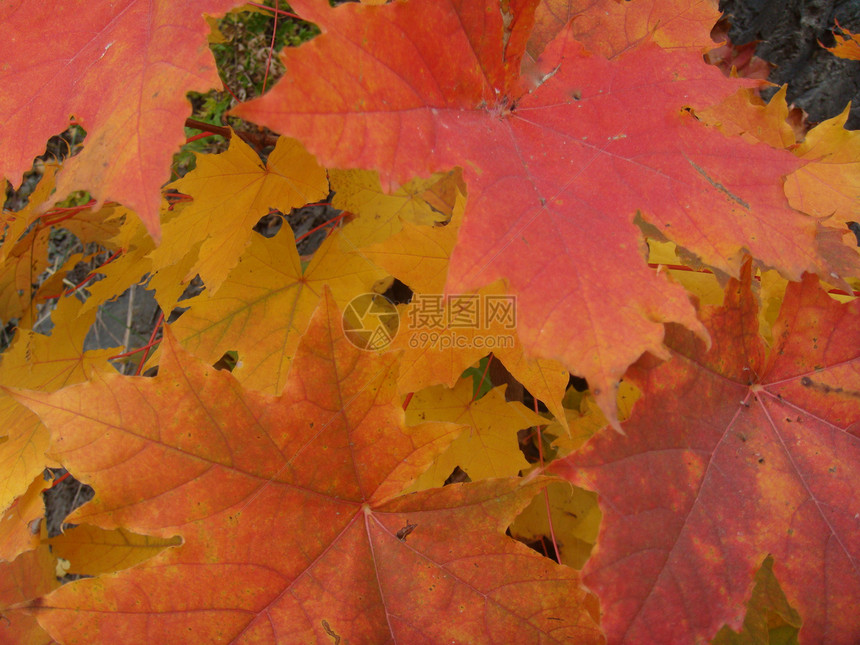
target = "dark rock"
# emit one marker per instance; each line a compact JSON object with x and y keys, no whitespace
{"x":789,"y":32}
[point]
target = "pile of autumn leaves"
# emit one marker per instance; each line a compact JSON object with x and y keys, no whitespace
{"x":262,"y":308}
{"x":301,"y":496}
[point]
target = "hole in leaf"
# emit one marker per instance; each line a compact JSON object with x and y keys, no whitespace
{"x":542,"y":545}
{"x":577,"y":383}
{"x":65,"y":495}
{"x":398,"y":293}
{"x":457,"y":476}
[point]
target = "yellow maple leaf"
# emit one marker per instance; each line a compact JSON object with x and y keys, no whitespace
{"x":46,"y":363}
{"x":575,"y":521}
{"x":545,"y":379}
{"x":489,"y":448}
{"x":441,"y":337}
{"x":702,"y":284}
{"x":231,"y":192}
{"x":380,"y":215}
{"x":25,"y":261}
{"x":418,"y":255}
{"x":585,"y":418}
{"x":828,"y":186}
{"x":128,"y":268}
{"x":264,"y":306}
{"x":15,"y":223}
{"x":92,"y":551}
{"x":16,"y":523}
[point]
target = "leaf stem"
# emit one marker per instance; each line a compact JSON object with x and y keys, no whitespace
{"x":276,"y":11}
{"x":483,"y":377}
{"x":89,"y":277}
{"x":271,"y":47}
{"x":152,"y":342}
{"x":321,"y":226}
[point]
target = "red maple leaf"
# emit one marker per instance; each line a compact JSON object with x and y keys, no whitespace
{"x":122,"y":70}
{"x":557,"y":164}
{"x":733,"y":454}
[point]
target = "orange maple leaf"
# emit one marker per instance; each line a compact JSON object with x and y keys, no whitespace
{"x":847,"y":45}
{"x":608,"y":27}
{"x":30,"y":575}
{"x":291,"y":513}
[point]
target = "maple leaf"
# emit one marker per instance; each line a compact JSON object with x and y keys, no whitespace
{"x":489,"y":448}
{"x":609,"y":27}
{"x":28,"y":576}
{"x":47,"y":363}
{"x":232,"y":191}
{"x":28,"y":238}
{"x":732,"y":454}
{"x":847,"y":45}
{"x":265,"y":304}
{"x":575,"y":518}
{"x":17,"y":533}
{"x":701,"y":283}
{"x":416,"y":255}
{"x":16,"y":223}
{"x":546,"y":170}
{"x":291,"y":513}
{"x":381,"y":215}
{"x":440,"y":338}
{"x":770,"y":618}
{"x":829,"y":186}
{"x":585,"y":418}
{"x":26,"y":259}
{"x":746,"y":114}
{"x":92,"y":551}
{"x":122,"y":70}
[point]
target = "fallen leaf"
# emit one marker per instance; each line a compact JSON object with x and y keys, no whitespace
{"x":93,"y":551}
{"x":734,"y":453}
{"x":847,"y":45}
{"x":575,"y":518}
{"x":381,"y":215}
{"x":489,"y":448}
{"x":19,"y":523}
{"x":770,"y":618}
{"x":47,"y":363}
{"x":159,"y":50}
{"x":29,"y":576}
{"x":232,"y":191}
{"x":264,"y":306}
{"x":291,"y":513}
{"x":829,"y":186}
{"x":540,"y":167}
